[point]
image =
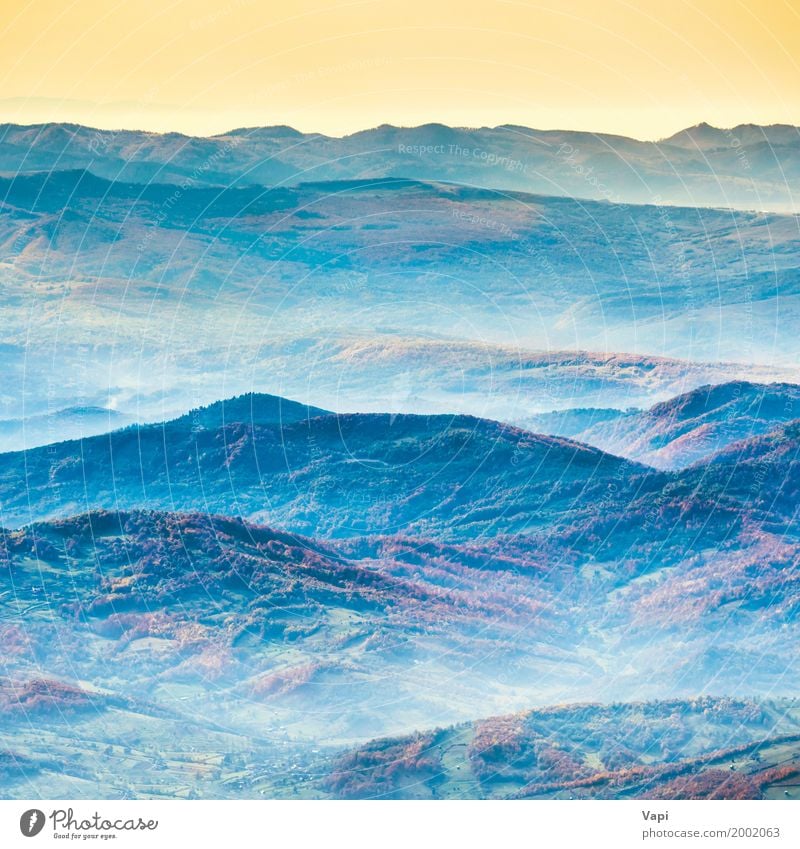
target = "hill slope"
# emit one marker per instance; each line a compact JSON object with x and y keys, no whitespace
{"x":87,"y":745}
{"x":706,"y":748}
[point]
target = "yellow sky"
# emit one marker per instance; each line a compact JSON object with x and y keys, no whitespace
{"x":644,"y":68}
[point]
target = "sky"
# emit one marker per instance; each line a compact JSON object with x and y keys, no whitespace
{"x":643,"y":69}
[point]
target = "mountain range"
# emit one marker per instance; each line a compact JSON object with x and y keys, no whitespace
{"x":413,"y":570}
{"x":748,"y":166}
{"x":456,"y":491}
{"x":528,"y":528}
{"x":265,"y":458}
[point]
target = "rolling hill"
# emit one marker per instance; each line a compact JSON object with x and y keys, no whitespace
{"x":265,"y":597}
{"x":91,"y":743}
{"x":351,"y":293}
{"x":262,"y":630}
{"x":268,"y":633}
{"x":427,"y":607}
{"x":707,"y":748}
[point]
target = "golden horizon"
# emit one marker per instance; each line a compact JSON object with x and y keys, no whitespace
{"x":203,"y":68}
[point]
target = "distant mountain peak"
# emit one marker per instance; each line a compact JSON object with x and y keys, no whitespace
{"x":272,"y":131}
{"x":702,"y":135}
{"x":258,"y":408}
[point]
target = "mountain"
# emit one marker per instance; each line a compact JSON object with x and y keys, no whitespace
{"x":686,"y":429}
{"x":777,"y":447}
{"x":81,"y":422}
{"x":330,"y":475}
{"x":608,"y":557}
{"x":265,"y":597}
{"x":704,"y":137}
{"x":349,"y":295}
{"x":747,"y":166}
{"x":470,"y":569}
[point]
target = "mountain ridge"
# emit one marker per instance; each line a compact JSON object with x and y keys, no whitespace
{"x":747,"y":167}
{"x":6,"y":126}
{"x":337,"y":474}
{"x":690,"y":427}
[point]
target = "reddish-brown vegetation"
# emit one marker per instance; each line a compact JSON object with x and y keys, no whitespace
{"x":380,"y":770}
{"x":285,"y":681}
{"x":20,"y":700}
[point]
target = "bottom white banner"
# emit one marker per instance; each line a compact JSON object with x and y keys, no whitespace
{"x":392,"y":825}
